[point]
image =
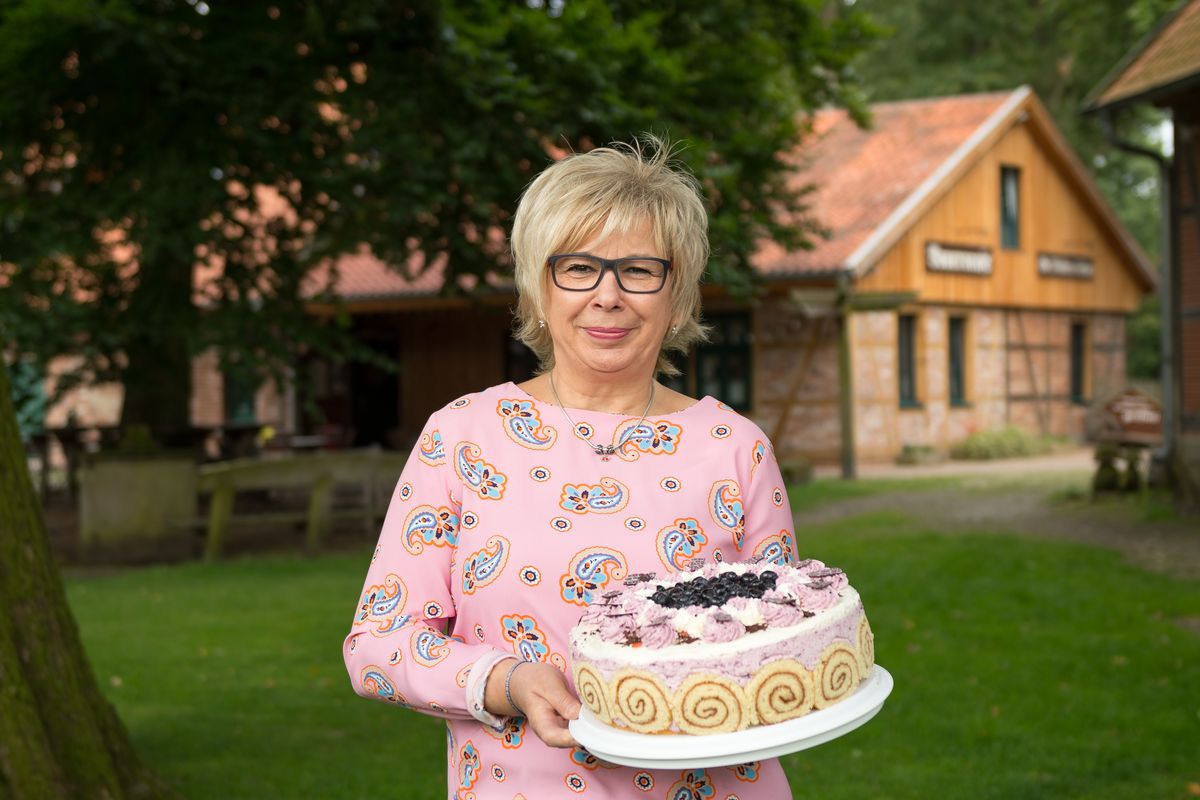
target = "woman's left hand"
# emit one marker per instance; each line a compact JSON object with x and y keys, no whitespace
{"x":541,"y":694}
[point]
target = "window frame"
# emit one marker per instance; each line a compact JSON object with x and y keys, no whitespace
{"x":690,"y":381}
{"x":1079,"y":376}
{"x":912,"y":399}
{"x":963,"y":397}
{"x":237,"y":395}
{"x":1010,"y":230}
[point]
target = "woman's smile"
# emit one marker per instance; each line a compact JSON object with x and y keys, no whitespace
{"x":608,"y":334}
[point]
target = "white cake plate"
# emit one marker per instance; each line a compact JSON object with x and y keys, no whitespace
{"x":680,"y":751}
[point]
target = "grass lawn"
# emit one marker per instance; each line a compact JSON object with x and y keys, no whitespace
{"x":1023,"y":669}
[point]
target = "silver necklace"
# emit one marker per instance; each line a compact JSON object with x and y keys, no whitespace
{"x":604,"y":450}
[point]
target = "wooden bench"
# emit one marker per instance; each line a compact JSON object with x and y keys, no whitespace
{"x":375,"y":470}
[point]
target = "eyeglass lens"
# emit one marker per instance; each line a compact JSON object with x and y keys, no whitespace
{"x":585,"y":272}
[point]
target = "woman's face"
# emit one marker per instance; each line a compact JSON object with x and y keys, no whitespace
{"x":608,"y":330}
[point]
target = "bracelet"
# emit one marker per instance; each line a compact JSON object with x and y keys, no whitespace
{"x":508,"y":686}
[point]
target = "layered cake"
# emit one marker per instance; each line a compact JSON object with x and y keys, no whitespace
{"x":721,"y":647}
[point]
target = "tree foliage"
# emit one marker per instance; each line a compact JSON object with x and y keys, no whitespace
{"x":136,"y":137}
{"x":1063,"y":49}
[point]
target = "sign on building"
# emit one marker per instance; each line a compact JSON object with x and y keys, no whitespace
{"x":1058,"y":266}
{"x":954,"y":258}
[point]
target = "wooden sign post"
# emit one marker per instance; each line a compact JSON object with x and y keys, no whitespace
{"x":1128,"y":422}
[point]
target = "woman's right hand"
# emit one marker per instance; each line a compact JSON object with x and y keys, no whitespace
{"x":541,"y":695}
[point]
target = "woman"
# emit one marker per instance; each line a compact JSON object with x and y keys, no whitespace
{"x":522,"y":503}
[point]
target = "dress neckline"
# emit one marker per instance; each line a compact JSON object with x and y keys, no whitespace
{"x":707,"y":399}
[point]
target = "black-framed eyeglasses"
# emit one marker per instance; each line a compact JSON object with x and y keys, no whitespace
{"x":582,"y":272}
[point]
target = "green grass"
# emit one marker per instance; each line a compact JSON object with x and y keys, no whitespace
{"x":806,"y":496}
{"x":1024,"y":669}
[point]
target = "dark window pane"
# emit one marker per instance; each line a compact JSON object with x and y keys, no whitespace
{"x":908,"y":360}
{"x":1078,"y":357}
{"x":1010,"y":208}
{"x":723,"y":363}
{"x":239,"y":399}
{"x":958,"y":395}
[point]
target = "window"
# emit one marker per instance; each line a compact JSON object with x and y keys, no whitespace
{"x":1078,"y":362}
{"x":957,"y":367}
{"x":722,"y":364}
{"x":907,"y":337}
{"x":239,"y":398}
{"x":1010,"y":208}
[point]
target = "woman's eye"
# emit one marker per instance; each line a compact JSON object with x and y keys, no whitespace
{"x":581,"y":269}
{"x":636,"y":272}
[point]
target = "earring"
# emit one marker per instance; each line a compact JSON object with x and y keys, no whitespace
{"x":541,"y":323}
{"x":674,"y":329}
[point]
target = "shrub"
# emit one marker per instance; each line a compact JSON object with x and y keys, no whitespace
{"x":1007,"y":442}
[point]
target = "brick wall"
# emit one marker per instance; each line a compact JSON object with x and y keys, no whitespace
{"x":812,"y":429}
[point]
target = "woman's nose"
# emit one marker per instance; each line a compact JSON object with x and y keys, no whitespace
{"x":608,"y":292}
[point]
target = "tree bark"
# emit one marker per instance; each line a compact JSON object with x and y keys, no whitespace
{"x":59,"y":737}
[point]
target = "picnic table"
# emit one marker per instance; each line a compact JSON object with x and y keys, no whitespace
{"x":374,"y":470}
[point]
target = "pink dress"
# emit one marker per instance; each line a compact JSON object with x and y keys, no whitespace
{"x":505,"y":525}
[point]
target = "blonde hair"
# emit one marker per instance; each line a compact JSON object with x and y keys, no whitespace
{"x":606,"y":191}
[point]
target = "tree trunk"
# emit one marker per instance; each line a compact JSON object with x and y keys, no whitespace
{"x":59,"y":737}
{"x":158,"y":388}
{"x":157,"y":377}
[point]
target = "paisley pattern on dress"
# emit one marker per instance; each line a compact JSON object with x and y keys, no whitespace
{"x":510,"y":735}
{"x":478,"y":474}
{"x":606,"y":497}
{"x":634,"y":437}
{"x":381,"y":606}
{"x":583,"y":758}
{"x":643,"y":781}
{"x":426,"y":525}
{"x":779,"y":548}
{"x":468,"y":771}
{"x":526,"y":637}
{"x":485,"y":565}
{"x":376,"y":682}
{"x":523,"y":424}
{"x":429,"y":648}
{"x":575,"y":782}
{"x":693,"y":784}
{"x":747,"y":772}
{"x":431,"y":449}
{"x":756,"y":456}
{"x":725,"y":507}
{"x":589,"y":571}
{"x":680,"y":542}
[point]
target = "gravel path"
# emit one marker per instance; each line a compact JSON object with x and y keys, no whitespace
{"x":1044,"y":500}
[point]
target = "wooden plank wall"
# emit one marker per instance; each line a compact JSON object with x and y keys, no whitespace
{"x":1052,"y":220}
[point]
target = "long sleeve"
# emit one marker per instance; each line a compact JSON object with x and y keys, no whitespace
{"x":402,"y":648}
{"x":769,"y":525}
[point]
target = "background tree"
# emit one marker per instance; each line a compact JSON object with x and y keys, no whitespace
{"x":171,"y":173}
{"x":137,"y":136}
{"x":59,"y":737}
{"x":1062,"y":48}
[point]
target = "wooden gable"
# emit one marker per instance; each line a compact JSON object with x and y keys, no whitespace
{"x":1062,"y":221}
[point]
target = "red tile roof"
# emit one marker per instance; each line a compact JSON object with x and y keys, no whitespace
{"x":1169,"y":55}
{"x":863,"y":176}
{"x":870,"y":186}
{"x":362,"y":276}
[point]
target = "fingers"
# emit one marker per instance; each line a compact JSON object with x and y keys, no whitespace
{"x":549,"y":726}
{"x":547,"y":702}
